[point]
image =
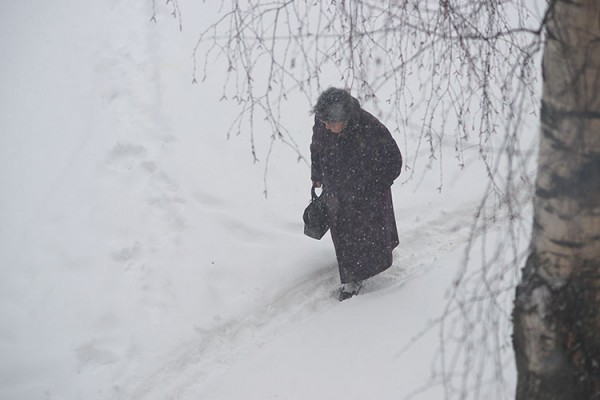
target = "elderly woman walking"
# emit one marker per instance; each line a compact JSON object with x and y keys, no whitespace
{"x":356,"y":160}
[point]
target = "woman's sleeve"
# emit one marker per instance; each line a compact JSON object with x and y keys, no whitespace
{"x":388,"y":163}
{"x":316,"y":172}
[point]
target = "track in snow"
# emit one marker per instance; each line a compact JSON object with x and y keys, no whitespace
{"x":197,"y":362}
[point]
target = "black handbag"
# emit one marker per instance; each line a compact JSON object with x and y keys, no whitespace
{"x":315,"y":216}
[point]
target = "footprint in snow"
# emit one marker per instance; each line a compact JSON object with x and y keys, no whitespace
{"x":91,"y":353}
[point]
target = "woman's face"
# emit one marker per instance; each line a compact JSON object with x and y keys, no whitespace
{"x":336,"y":127}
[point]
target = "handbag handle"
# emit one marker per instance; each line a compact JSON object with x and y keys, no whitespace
{"x":313,"y":193}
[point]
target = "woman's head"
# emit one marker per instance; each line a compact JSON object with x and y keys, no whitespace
{"x":334,"y":106}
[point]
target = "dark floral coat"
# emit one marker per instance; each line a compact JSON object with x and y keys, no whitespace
{"x":357,"y":168}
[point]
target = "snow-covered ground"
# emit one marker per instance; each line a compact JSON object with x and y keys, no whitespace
{"x":139,"y":256}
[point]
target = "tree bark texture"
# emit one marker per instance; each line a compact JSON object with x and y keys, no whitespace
{"x":557,"y":308}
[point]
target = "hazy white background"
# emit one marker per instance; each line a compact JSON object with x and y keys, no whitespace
{"x":139,"y":258}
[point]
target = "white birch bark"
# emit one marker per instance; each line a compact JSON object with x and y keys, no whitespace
{"x":557,"y":309}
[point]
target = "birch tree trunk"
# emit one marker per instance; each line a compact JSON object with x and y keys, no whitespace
{"x":557,"y":308}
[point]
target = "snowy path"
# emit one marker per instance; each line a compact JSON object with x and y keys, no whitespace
{"x":197,"y":363}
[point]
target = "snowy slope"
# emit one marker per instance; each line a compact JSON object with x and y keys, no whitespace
{"x":139,"y":256}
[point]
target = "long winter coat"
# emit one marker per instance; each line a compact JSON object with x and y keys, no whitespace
{"x":357,"y":168}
